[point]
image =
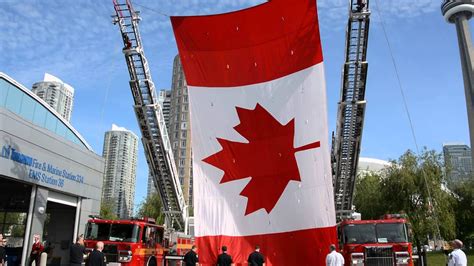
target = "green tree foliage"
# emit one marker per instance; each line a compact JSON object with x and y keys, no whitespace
{"x":107,"y":210}
{"x":406,"y":187}
{"x":368,"y":196}
{"x":152,"y":207}
{"x":465,"y":212}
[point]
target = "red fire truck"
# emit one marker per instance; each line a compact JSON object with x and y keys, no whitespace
{"x":376,"y":242}
{"x":132,"y":242}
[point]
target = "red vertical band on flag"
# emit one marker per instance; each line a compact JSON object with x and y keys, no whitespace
{"x":249,"y":46}
{"x":299,"y":248}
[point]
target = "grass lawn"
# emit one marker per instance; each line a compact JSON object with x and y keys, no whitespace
{"x":439,"y":259}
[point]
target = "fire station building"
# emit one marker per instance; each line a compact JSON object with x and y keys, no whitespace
{"x":50,"y":179}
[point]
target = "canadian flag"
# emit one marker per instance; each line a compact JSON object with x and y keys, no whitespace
{"x":261,"y":164}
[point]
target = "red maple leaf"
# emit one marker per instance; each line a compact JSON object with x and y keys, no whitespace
{"x":268,"y":158}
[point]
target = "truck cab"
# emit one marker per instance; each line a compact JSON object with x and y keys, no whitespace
{"x":127,"y":242}
{"x":375,"y":242}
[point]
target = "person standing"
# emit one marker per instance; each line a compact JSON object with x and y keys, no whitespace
{"x":457,"y":257}
{"x":97,"y":258}
{"x":256,"y":258}
{"x":77,"y":251}
{"x":334,"y":258}
{"x":36,"y":250}
{"x":224,"y":259}
{"x":191,"y":258}
{"x":3,"y":253}
{"x":173,"y":251}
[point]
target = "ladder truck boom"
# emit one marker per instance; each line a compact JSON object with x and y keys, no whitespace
{"x":150,"y":118}
{"x":351,"y":108}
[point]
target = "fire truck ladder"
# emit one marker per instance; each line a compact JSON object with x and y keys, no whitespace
{"x":351,"y":108}
{"x":150,"y":118}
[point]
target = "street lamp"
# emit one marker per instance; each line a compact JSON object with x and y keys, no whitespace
{"x":459,"y":12}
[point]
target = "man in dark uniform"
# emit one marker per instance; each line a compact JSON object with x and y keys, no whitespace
{"x":256,"y":258}
{"x":3,"y":253}
{"x":191,"y":258}
{"x":96,"y":258}
{"x":77,"y":251}
{"x":224,"y":259}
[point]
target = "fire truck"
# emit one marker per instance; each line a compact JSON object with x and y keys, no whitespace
{"x":134,"y":241}
{"x":376,"y":242}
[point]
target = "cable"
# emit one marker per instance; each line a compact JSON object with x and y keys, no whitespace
{"x":153,"y":10}
{"x":430,"y":199}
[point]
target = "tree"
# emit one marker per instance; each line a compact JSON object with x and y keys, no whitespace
{"x":465,"y":212}
{"x":368,"y":197}
{"x":152,"y":207}
{"x":107,"y":210}
{"x":411,"y":185}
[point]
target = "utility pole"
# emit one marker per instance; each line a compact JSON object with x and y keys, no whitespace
{"x":459,"y":12}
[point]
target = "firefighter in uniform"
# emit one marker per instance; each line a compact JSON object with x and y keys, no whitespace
{"x":457,"y":257}
{"x":191,"y":258}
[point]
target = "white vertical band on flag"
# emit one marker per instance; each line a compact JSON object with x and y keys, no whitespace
{"x":303,"y":205}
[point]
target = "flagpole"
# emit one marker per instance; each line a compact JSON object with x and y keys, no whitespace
{"x":459,"y":12}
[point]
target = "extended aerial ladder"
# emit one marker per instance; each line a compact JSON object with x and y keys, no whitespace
{"x":150,"y":118}
{"x":351,"y":109}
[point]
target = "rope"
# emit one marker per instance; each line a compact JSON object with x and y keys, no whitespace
{"x":402,"y":92}
{"x":153,"y":10}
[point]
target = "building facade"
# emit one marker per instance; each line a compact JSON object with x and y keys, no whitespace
{"x":164,"y":99}
{"x":57,"y":94}
{"x":151,"y":188}
{"x":458,"y":163}
{"x":120,"y":172}
{"x":50,"y":179}
{"x":180,"y":130}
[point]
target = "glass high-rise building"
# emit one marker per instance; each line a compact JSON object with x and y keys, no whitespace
{"x":120,"y":172}
{"x":457,"y":157}
{"x":180,"y":129}
{"x":56,"y":93}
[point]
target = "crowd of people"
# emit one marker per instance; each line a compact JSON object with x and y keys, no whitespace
{"x":97,"y":258}
{"x":224,"y":259}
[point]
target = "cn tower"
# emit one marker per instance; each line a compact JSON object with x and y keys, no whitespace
{"x":459,"y":12}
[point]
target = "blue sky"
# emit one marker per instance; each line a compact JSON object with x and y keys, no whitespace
{"x":76,"y":41}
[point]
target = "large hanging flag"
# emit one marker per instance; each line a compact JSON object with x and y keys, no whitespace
{"x":261,"y":163}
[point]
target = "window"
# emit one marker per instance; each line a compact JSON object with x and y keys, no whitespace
{"x":183,"y":125}
{"x":183,"y":134}
{"x":40,"y":115}
{"x":51,"y":122}
{"x":28,"y":108}
{"x":4,"y":86}
{"x":61,"y":129}
{"x":14,"y":98}
{"x":183,"y":143}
